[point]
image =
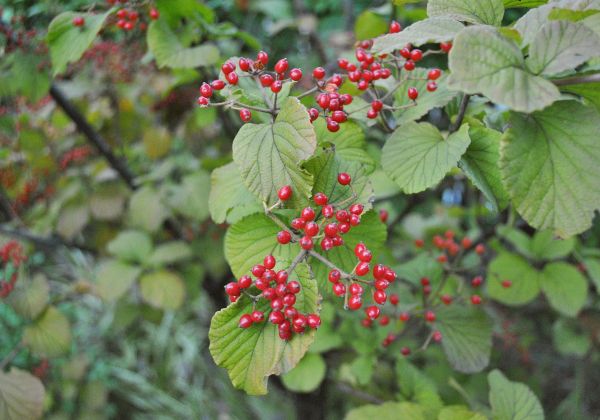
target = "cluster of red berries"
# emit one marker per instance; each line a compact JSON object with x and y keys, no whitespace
{"x":451,"y":247}
{"x":126,"y":19}
{"x":75,"y":156}
{"x":41,"y":370}
{"x":17,"y":38}
{"x":307,"y":227}
{"x":276,"y":288}
{"x":11,"y":256}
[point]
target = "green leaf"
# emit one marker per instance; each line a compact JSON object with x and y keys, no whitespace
{"x":523,"y":3}
{"x":564,"y":287}
{"x":427,"y":102}
{"x":530,"y":23}
{"x":369,"y":25}
{"x":483,"y":61}
{"x":592,"y":267}
{"x":169,"y":253}
{"x":114,"y":278}
{"x":269,"y":155}
{"x":72,"y":220}
{"x":27,"y":78}
{"x":568,"y":339}
{"x":560,"y":46}
{"x":549,"y":167}
{"x":21,"y":395}
{"x":349,"y":142}
{"x":459,"y":412}
{"x":146,"y":209}
{"x":227,"y":192}
{"x":107,"y":201}
{"x":250,"y":239}
{"x":307,"y":375}
{"x":512,"y":400}
{"x":486,"y":12}
{"x":169,"y":52}
{"x":432,"y":30}
{"x":418,"y":267}
{"x":190,"y":198}
{"x":517,"y":238}
{"x":163,"y":289}
{"x":387,"y":411}
{"x":417,"y":157}
{"x":131,"y":245}
{"x":480,"y":164}
{"x":590,"y":92}
{"x":252,"y":355}
{"x":466,"y":337}
{"x":546,"y":247}
{"x":49,"y":335}
{"x":30,"y":297}
{"x":525,"y":283}
{"x":67,"y":42}
{"x":417,"y":387}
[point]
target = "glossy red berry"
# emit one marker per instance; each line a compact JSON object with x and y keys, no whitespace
{"x":395,"y":27}
{"x":339,"y":289}
{"x":377,"y":105}
{"x":431,"y":87}
{"x":245,"y":321}
{"x":437,"y":336}
{"x":284,"y":237}
{"x":446,"y":46}
{"x":365,"y":256}
{"x":334,"y":276}
{"x":339,"y":116}
{"x":446,"y":299}
{"x":416,"y":55}
{"x":404,"y":316}
{"x":263,"y":57}
{"x":269,"y":262}
{"x":227,"y":67}
{"x":78,"y":21}
{"x":363,"y":85}
{"x":429,"y":316}
{"x":295,"y":74}
{"x":413,"y":93}
{"x":409,"y":65}
{"x":379,"y":296}
{"x":266,"y":80}
{"x":217,"y":84}
{"x":425,"y":281}
{"x":405,"y":351}
{"x":475,"y":299}
{"x":202,"y":101}
{"x":319,"y":73}
{"x":244,"y":64}
{"x":384,"y":320}
{"x":306,"y":243}
{"x":327,"y":211}
{"x":442,"y":258}
{"x":372,"y":312}
{"x":332,"y":125}
{"x":257,"y":316}
{"x":355,"y":302}
{"x":298,"y":223}
{"x":128,"y":26}
{"x":281,"y":66}
{"x":244,"y":282}
{"x":245,"y":114}
{"x":372,"y":114}
{"x":289,"y":299}
{"x":285,"y":193}
{"x":258,"y":270}
{"x":311,"y":229}
{"x":356,"y":289}
{"x":362,"y":268}
{"x":320,"y":199}
{"x":276,"y":86}
{"x":232,"y":78}
{"x":480,"y":249}
{"x":466,"y":242}
{"x":419,"y":243}
{"x":313,"y":321}
{"x":344,"y":178}
{"x":276,"y":317}
{"x":394,"y":299}
{"x":476,"y":282}
{"x":434,"y":74}
{"x":232,"y":289}
{"x":506,"y":283}
{"x":308,"y":214}
{"x":154,"y":15}
{"x":313,"y":113}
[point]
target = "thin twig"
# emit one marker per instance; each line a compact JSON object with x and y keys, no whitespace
{"x":590,"y":78}
{"x":461,"y":114}
{"x":49,"y":242}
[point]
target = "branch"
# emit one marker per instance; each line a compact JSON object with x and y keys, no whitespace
{"x":590,"y":78}
{"x":49,"y":242}
{"x":461,"y":114}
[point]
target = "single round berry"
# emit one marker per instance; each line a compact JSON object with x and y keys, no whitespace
{"x":306,"y":243}
{"x":405,"y":351}
{"x":285,"y":193}
{"x":276,"y":317}
{"x":413,"y":93}
{"x":429,"y":316}
{"x":266,"y":80}
{"x":308,"y":214}
{"x":281,"y":66}
{"x":377,"y":105}
{"x":245,"y":114}
{"x":289,"y":299}
{"x":227,"y":67}
{"x":434,"y":74}
{"x":506,"y":283}
{"x":217,"y":84}
{"x":284,"y":237}
{"x":258,"y":270}
{"x":313,"y":320}
{"x":78,"y":21}
{"x":244,"y":64}
{"x":154,"y":15}
{"x":419,"y":243}
{"x":327,"y":211}
{"x":466,"y":242}
{"x":339,"y":116}
{"x":372,"y":312}
{"x":404,"y":316}
{"x":476,"y":282}
{"x":363,"y":85}
{"x":281,"y":276}
{"x":263,"y":57}
{"x":334,"y":276}
{"x":344,"y":178}
{"x":257,"y":316}
{"x":405,"y":52}
{"x":416,"y":55}
{"x":480,"y":249}
{"x":202,"y":101}
{"x":431,"y":87}
{"x":395,"y":27}
{"x":437,"y":336}
{"x":409,"y":65}
{"x":359,"y":249}
{"x":320,"y":199}
{"x":319,"y":73}
{"x":244,"y":282}
{"x":332,"y":126}
{"x":269,"y":261}
{"x":339,"y":289}
{"x":362,"y":268}
{"x":313,"y":113}
{"x":276,"y":86}
{"x":446,"y":46}
{"x":425,"y":281}
{"x":245,"y":321}
{"x":311,"y":229}
{"x":365,"y":256}
{"x":372,"y":114}
{"x":446,"y":299}
{"x":475,"y":299}
{"x":356,"y":289}
{"x":295,"y":74}
{"x":232,"y":78}
{"x":293,"y":287}
{"x":384,"y":320}
{"x":355,"y":302}
{"x":379,"y":296}
{"x":232,"y":289}
{"x":394,"y":299}
{"x":298,"y":223}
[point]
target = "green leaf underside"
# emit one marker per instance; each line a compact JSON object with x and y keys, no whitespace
{"x":549,"y":164}
{"x":227,"y":191}
{"x":480,"y":164}
{"x":67,"y":42}
{"x":560,"y":46}
{"x":467,"y":337}
{"x":417,"y":157}
{"x":483,"y":61}
{"x":252,"y":355}
{"x":487,"y":12}
{"x":427,"y":102}
{"x":21,"y":395}
{"x":49,"y":335}
{"x":269,"y":155}
{"x":512,"y":400}
{"x":169,"y":52}
{"x":436,"y":30}
{"x":115,"y":278}
{"x":387,"y":411}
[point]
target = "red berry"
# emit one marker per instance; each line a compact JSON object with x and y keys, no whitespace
{"x":78,"y":21}
{"x":475,"y":299}
{"x":245,"y":321}
{"x":276,"y":86}
{"x":434,"y":74}
{"x":446,"y":299}
{"x":363,"y":85}
{"x":244,"y":282}
{"x":232,"y":78}
{"x":232,"y":289}
{"x":343,"y":63}
{"x":425,"y":281}
{"x":266,"y":80}
{"x":356,"y":289}
{"x":344,"y":178}
{"x":227,"y":67}
{"x":384,"y":320}
{"x":258,"y":270}
{"x":390,"y":275}
{"x":263,"y":57}
{"x":281,"y":276}
{"x":339,"y":289}
{"x":405,"y":351}
{"x":276,"y":317}
{"x":289,"y":299}
{"x":365,"y":256}
{"x":404,"y":316}
{"x":380,"y":297}
{"x":334,"y":276}
{"x":405,"y":52}
{"x":437,"y":336}
{"x":446,"y":46}
{"x":313,"y":113}
{"x":339,"y":116}
{"x":128,"y":26}
{"x":290,"y":312}
{"x":506,"y":283}
{"x":319,"y":73}
{"x":432,"y":86}
{"x":419,"y":243}
{"x":355,"y":302}
{"x":442,"y":258}
{"x":244,"y":64}
{"x":395,"y":27}
{"x":466,"y":242}
{"x":284,"y":237}
{"x":413,"y":93}
{"x":377,"y":105}
{"x":313,"y":320}
{"x":308,"y":214}
{"x":357,"y":209}
{"x":394,"y":299}
{"x":359,"y":249}
{"x":257,"y":316}
{"x":306,"y":243}
{"x":416,"y":55}
{"x":332,"y":125}
{"x":133,"y":16}
{"x":298,"y":223}
{"x":293,"y":287}
{"x":217,"y":84}
{"x":245,"y":114}
{"x":331,"y":229}
{"x":429,"y":316}
{"x":409,"y":65}
{"x":202,"y":101}
{"x":476,"y":282}
{"x":269,"y":261}
{"x":345,"y":99}
{"x":311,"y":229}
{"x":154,"y":15}
{"x":285,"y":193}
{"x":372,"y":312}
{"x":362,"y":268}
{"x":480,"y":249}
{"x":328,"y":211}
{"x":281,"y":66}
{"x":295,"y":74}
{"x":372,"y":114}
{"x":320,"y":199}
{"x":383,"y":215}
{"x":122,"y":14}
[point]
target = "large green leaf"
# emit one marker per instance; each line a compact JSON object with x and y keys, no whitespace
{"x":349,"y":142}
{"x":417,"y":387}
{"x":417,"y":157}
{"x":426,"y":102}
{"x":190,"y":197}
{"x":169,"y":253}
{"x":269,"y":155}
{"x":67,"y":42}
{"x":480,"y":164}
{"x":131,"y":245}
{"x":512,"y":400}
{"x":569,"y":338}
{"x":564,"y":287}
{"x":252,"y":355}
{"x":560,"y":46}
{"x":21,"y":395}
{"x":114,"y":278}
{"x":147,"y":210}
{"x":27,"y":78}
{"x":466,"y":337}
{"x":590,"y":92}
{"x":387,"y":411}
{"x":592,"y":266}
{"x":30,"y":297}
{"x":169,"y":52}
{"x":162,"y":289}
{"x":483,"y":61}
{"x":525,"y":284}
{"x":545,"y":246}
{"x":487,"y":12}
{"x":228,"y":192}
{"x":432,"y":30}
{"x":307,"y":375}
{"x":369,"y":25}
{"x":549,"y":164}
{"x":49,"y":335}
